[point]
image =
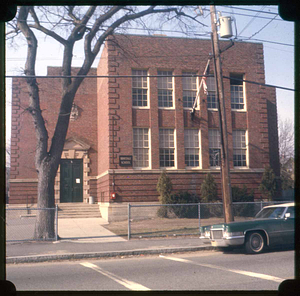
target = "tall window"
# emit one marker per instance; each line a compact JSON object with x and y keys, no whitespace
{"x":211,"y":93}
{"x":139,"y":88}
{"x":189,"y":86}
{"x":191,"y":146}
{"x":237,"y":92}
{"x":214,"y":147}
{"x":165,"y":89}
{"x":166,"y":148}
{"x":141,"y":147}
{"x":239,"y":148}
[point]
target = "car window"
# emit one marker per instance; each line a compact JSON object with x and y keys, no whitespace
{"x":270,"y":213}
{"x":291,"y":210}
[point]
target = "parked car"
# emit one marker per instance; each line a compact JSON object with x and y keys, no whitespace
{"x":272,"y":226}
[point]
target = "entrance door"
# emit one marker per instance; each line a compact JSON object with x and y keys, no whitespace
{"x":71,"y":179}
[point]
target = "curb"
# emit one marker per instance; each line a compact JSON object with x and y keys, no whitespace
{"x":76,"y":256}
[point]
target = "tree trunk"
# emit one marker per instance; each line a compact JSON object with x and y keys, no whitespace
{"x":44,"y":228}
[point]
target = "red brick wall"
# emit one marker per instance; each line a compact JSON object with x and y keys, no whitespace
{"x":180,"y":54}
{"x":23,"y":134}
{"x":107,"y":117}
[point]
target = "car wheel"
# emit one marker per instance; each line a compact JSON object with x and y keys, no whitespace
{"x":255,"y":243}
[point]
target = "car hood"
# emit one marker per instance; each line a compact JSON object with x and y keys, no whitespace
{"x":241,"y":225}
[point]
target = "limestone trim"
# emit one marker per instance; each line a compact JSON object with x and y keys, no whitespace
{"x":23,"y":180}
{"x":75,"y":149}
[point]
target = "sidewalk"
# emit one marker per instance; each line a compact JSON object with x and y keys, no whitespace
{"x":87,"y":238}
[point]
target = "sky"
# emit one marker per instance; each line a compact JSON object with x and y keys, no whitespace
{"x":252,"y":23}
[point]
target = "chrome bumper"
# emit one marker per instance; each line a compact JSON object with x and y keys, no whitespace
{"x":205,"y":239}
{"x":228,"y":241}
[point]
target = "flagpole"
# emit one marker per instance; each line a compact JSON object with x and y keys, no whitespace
{"x":201,"y":83}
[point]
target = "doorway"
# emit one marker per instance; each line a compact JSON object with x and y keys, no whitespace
{"x":71,"y":180}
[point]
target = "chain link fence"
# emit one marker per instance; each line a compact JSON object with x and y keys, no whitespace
{"x":21,"y":222}
{"x":171,"y":220}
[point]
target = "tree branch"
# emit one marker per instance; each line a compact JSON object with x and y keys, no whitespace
{"x":39,"y":27}
{"x":34,"y":106}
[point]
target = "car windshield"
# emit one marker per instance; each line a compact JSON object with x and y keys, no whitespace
{"x":270,"y":213}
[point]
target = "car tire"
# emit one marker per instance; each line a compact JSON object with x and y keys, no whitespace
{"x":255,"y":243}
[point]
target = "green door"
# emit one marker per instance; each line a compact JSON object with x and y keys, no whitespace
{"x":71,"y":179}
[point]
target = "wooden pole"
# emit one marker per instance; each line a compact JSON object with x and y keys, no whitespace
{"x":225,"y":169}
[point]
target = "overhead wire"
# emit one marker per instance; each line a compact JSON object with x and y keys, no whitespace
{"x":263,"y":27}
{"x":248,"y":9}
{"x":251,"y":21}
{"x":146,"y":76}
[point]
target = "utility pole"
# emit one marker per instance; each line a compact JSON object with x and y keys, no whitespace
{"x":225,"y":169}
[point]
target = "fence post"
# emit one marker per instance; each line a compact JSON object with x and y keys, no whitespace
{"x":56,"y":225}
{"x":199,"y":217}
{"x":129,"y":221}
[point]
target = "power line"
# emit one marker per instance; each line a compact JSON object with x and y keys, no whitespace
{"x":145,"y":76}
{"x":248,"y":9}
{"x":248,"y":15}
{"x":262,"y":84}
{"x":263,"y":27}
{"x":267,"y":41}
{"x":252,"y":20}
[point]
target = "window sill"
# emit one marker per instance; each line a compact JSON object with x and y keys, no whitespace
{"x":190,"y":109}
{"x":166,"y":108}
{"x":240,"y":167}
{"x":239,"y":110}
{"x":192,"y":168}
{"x":141,"y":108}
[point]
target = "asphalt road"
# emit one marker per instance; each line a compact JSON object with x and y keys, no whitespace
{"x":206,"y":270}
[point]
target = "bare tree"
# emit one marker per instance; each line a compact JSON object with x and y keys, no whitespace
{"x":68,"y":25}
{"x":286,"y":152}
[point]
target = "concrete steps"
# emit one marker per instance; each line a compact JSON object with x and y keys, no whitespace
{"x":78,"y":210}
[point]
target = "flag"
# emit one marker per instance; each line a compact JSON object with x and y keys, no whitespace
{"x":203,"y":80}
{"x":204,"y":84}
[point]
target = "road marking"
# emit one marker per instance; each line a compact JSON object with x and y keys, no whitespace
{"x":243,"y":272}
{"x":128,"y":284}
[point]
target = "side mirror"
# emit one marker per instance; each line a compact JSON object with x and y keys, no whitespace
{"x":287,"y":215}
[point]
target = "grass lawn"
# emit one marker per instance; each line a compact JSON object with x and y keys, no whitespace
{"x":162,"y":226}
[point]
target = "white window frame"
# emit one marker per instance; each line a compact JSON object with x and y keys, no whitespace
{"x":143,"y":147}
{"x":208,"y":79}
{"x":165,"y":73}
{"x":242,"y":147}
{"x":143,"y":88}
{"x":193,"y":146}
{"x":191,"y":89}
{"x":163,"y":146}
{"x":214,"y":144}
{"x":243,"y":91}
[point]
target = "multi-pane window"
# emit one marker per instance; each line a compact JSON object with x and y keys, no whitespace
{"x":239,"y":148}
{"x":191,"y":147}
{"x":237,"y":92}
{"x":189,"y":86}
{"x":211,"y":93}
{"x":139,"y":88}
{"x":214,"y":141}
{"x":166,"y":148}
{"x":141,"y":147}
{"x":165,"y":89}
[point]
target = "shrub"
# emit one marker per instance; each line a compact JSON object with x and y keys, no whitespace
{"x":184,"y":211}
{"x":209,"y":194}
{"x":242,"y":195}
{"x":209,"y":190}
{"x":268,"y":183}
{"x":164,"y":188}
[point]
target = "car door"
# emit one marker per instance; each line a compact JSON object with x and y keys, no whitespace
{"x":288,"y":226}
